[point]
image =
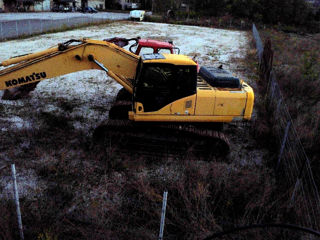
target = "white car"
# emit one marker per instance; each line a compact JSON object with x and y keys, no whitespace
{"x":132,"y":5}
{"x":135,"y":5}
{"x":137,"y":14}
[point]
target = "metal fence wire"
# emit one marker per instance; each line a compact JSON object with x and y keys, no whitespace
{"x":292,"y":164}
{"x":28,"y":27}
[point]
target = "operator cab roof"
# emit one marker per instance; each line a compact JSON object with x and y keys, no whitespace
{"x":168,"y":58}
{"x":154,"y":43}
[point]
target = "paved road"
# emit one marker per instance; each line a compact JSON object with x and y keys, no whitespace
{"x":55,"y":16}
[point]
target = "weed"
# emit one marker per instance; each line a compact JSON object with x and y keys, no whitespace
{"x":7,"y":220}
{"x":54,"y":121}
{"x":311,"y":67}
{"x":66,"y":106}
{"x":47,"y":235}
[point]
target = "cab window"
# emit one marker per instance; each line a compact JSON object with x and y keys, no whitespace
{"x":161,"y":84}
{"x":146,"y":50}
{"x":164,"y":50}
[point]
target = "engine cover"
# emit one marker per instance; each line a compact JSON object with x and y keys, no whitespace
{"x":218,"y":77}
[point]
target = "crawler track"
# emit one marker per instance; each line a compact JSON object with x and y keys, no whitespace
{"x":159,"y":140}
{"x":118,"y":135}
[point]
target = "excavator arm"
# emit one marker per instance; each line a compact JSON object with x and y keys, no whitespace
{"x":71,"y":56}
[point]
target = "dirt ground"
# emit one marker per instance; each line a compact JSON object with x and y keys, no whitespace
{"x":54,"y":125}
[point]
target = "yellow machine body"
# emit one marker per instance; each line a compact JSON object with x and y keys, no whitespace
{"x":209,"y":104}
{"x":206,"y":104}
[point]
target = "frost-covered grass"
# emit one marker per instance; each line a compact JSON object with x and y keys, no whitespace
{"x":208,"y":43}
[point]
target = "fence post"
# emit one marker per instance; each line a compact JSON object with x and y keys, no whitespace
{"x":163,"y":214}
{"x":17,"y":28}
{"x":258,"y":42}
{"x":295,"y":190}
{"x":16,"y":197}
{"x":1,"y":31}
{"x":29,"y":27}
{"x":269,"y":85}
{"x":278,"y":108}
{"x":273,"y":88}
{"x":283,"y":143}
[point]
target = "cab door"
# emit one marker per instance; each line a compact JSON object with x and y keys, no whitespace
{"x":161,"y":84}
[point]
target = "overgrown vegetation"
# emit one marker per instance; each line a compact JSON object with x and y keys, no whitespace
{"x":297,"y":67}
{"x":224,"y":22}
{"x":90,"y":196}
{"x":297,"y":15}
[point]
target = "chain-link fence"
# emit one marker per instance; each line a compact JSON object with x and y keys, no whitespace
{"x":28,"y":27}
{"x":293,"y":165}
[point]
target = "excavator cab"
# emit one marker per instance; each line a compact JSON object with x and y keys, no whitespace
{"x":160,"y":84}
{"x":168,"y":88}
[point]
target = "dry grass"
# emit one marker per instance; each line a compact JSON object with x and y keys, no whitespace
{"x":297,"y":66}
{"x":88,"y":202}
{"x":90,"y":196}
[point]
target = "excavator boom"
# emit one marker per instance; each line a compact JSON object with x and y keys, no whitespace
{"x":72,"y":56}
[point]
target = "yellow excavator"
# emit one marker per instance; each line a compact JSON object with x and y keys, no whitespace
{"x":165,"y":98}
